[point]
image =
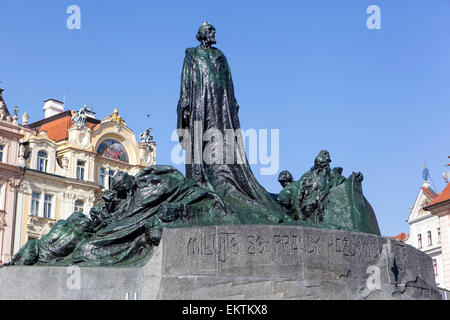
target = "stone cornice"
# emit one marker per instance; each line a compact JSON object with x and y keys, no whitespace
{"x":421,"y":218}
{"x":15,"y":130}
{"x":70,"y":148}
{"x":436,"y":208}
{"x":63,"y":179}
{"x":15,"y":170}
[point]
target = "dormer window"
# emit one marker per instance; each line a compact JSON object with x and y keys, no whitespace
{"x":42,"y":161}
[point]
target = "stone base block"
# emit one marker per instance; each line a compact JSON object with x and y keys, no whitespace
{"x":243,"y":262}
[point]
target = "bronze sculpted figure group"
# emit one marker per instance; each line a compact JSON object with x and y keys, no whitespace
{"x":219,"y":186}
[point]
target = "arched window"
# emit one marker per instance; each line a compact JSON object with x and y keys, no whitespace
{"x":42,"y":161}
{"x":79,"y":206}
{"x":113,"y":150}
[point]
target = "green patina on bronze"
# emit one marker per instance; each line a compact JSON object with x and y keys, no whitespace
{"x":324,"y":196}
{"x":126,"y":226}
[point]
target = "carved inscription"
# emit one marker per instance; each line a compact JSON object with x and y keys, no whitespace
{"x":227,"y":244}
{"x":354,"y":247}
{"x":224,"y":245}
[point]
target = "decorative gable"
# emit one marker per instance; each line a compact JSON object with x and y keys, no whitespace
{"x":426,"y":195}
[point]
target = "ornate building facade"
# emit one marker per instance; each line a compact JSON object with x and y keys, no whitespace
{"x":440,"y":209}
{"x":69,"y":157}
{"x":11,"y":132}
{"x":425,"y":231}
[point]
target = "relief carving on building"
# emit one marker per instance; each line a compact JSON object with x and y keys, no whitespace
{"x":14,"y":184}
{"x":38,"y":226}
{"x":3,"y":224}
{"x":4,"y":180}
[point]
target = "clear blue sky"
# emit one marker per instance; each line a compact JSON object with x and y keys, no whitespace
{"x":378,"y":100}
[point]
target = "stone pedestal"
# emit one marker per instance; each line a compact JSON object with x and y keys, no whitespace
{"x":243,"y":262}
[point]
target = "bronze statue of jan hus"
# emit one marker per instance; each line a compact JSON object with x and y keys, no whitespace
{"x":127,"y":225}
{"x":208,"y":104}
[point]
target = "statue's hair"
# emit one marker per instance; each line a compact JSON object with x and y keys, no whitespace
{"x":201,"y":34}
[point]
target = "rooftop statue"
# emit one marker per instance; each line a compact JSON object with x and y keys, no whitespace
{"x":79,"y":117}
{"x":147,"y":139}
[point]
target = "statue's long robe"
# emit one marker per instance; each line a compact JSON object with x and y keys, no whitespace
{"x":207,"y":94}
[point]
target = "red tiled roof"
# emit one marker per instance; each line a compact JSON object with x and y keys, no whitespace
{"x":57,"y":128}
{"x":402,"y":237}
{"x":429,"y":193}
{"x":444,"y":196}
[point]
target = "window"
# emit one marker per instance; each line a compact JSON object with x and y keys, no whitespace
{"x":42,"y":161}
{"x":102,"y":177}
{"x":35,"y":197}
{"x":110,"y":178}
{"x":419,"y":240}
{"x":430,"y":242}
{"x":439,"y":234}
{"x":80,"y":170}
{"x":1,"y":153}
{"x":79,"y":206}
{"x":435,"y":267}
{"x":48,"y":206}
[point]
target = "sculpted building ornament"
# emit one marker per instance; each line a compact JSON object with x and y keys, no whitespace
{"x":4,"y":180}
{"x":3,"y":224}
{"x":39,"y":225}
{"x":79,"y":117}
{"x":147,"y":139}
{"x":22,"y":160}
{"x":116,"y":118}
{"x":14,"y":184}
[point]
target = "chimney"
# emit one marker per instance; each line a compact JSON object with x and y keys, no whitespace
{"x":53,"y":107}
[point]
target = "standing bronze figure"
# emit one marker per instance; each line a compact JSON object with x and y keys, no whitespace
{"x":210,"y":130}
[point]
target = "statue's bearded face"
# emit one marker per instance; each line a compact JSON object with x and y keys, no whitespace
{"x":207,"y":35}
{"x":322,"y":161}
{"x":210,"y":35}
